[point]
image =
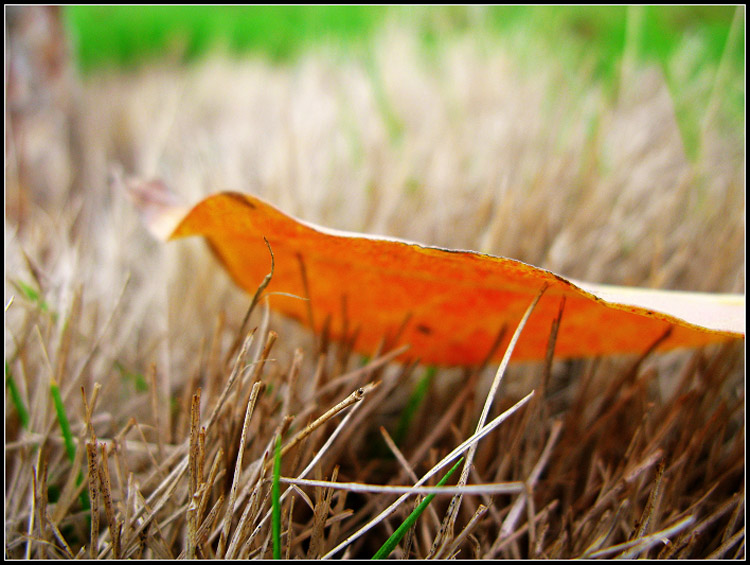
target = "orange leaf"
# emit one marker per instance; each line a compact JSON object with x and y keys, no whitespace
{"x":448,"y":305}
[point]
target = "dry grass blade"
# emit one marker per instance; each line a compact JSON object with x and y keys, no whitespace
{"x":33,"y":513}
{"x":93,"y":482}
{"x":195,"y":467}
{"x":486,"y":488}
{"x":435,"y":469}
{"x":470,"y":526}
{"x":195,"y":475}
{"x":236,"y":371}
{"x":349,"y":401}
{"x":648,"y":512}
{"x":253,"y":303}
{"x":412,"y":477}
{"x":727,"y":545}
{"x":509,"y":524}
{"x":501,"y":543}
{"x":446,"y":532}
{"x":320,"y":515}
{"x":229,"y":515}
{"x":61,"y":540}
{"x":374,"y":365}
{"x":353,"y":398}
{"x":644,"y":543}
{"x":106,"y":489}
{"x":40,"y":494}
{"x":242,"y":525}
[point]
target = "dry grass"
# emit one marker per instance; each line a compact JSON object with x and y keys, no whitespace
{"x":174,"y":422}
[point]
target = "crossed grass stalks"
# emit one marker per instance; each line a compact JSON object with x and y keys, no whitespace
{"x":232,"y":521}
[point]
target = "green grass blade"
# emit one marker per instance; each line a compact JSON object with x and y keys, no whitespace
{"x":137,"y":379}
{"x":62,"y":418}
{"x":70,"y":447}
{"x":35,"y":297}
{"x":391,"y":543}
{"x":15,"y":396}
{"x":276,"y":501}
{"x":414,"y":402}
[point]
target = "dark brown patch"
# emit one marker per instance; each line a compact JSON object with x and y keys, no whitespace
{"x":241,"y":198}
{"x":424,"y":329}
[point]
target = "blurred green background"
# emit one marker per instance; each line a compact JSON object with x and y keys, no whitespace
{"x":128,"y":35}
{"x":687,"y":42}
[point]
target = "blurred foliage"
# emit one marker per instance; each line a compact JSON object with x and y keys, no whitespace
{"x":128,"y":35}
{"x":123,"y":36}
{"x":689,"y":43}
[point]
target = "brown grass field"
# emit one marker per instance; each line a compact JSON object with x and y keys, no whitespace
{"x":174,"y":421}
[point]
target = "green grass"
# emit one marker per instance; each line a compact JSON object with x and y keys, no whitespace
{"x":415,"y":401}
{"x":16,"y":398}
{"x":123,"y":36}
{"x":602,"y":30}
{"x":34,"y":296}
{"x":70,"y":448}
{"x":391,"y":543}
{"x":137,"y":380}
{"x":276,"y":500}
{"x":126,"y":35}
{"x":598,"y":38}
